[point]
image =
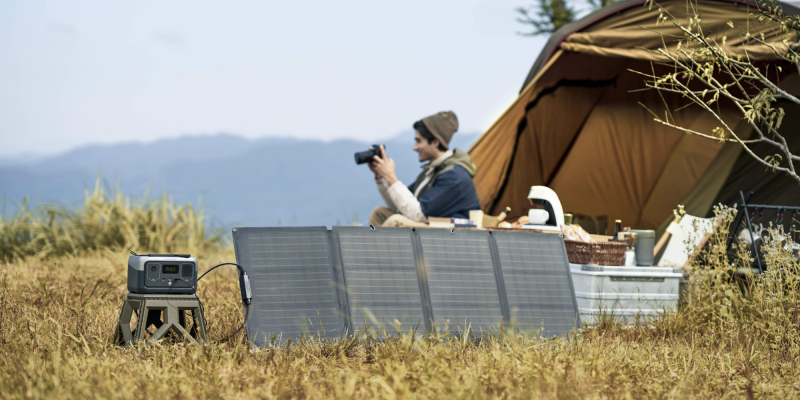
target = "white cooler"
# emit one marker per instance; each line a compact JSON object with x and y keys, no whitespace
{"x":624,"y":292}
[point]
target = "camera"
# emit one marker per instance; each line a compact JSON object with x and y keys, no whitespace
{"x":363,"y":157}
{"x":162,"y":274}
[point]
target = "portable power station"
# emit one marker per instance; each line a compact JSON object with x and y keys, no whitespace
{"x":162,"y":274}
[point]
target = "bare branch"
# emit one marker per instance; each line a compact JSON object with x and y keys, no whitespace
{"x":747,"y":149}
{"x":700,"y":57}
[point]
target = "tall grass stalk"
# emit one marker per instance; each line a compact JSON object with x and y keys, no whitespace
{"x":730,"y":301}
{"x":106,"y":223}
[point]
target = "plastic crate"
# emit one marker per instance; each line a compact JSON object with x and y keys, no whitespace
{"x":624,"y":292}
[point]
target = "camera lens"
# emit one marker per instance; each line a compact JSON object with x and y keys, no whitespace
{"x":364,"y":157}
{"x":153,"y":268}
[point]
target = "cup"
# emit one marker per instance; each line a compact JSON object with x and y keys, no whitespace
{"x":630,"y":257}
{"x":538,"y":216}
{"x":477,"y":217}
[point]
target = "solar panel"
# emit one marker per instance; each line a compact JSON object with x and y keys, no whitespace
{"x":461,"y":280}
{"x":537,"y":281}
{"x":315,"y":281}
{"x":380,"y":274}
{"x":292,"y":282}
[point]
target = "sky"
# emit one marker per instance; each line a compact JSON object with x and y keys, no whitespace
{"x":74,"y":73}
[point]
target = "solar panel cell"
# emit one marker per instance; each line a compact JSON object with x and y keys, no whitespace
{"x":381,"y":277}
{"x":537,"y":281}
{"x":291,"y":280}
{"x":461,"y":280}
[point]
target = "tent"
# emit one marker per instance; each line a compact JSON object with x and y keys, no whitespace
{"x":578,"y":126}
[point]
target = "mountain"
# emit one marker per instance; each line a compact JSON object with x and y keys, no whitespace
{"x":239,"y":182}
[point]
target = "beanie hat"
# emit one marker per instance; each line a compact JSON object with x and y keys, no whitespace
{"x":442,"y":126}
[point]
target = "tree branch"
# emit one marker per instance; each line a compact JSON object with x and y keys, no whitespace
{"x":701,"y":57}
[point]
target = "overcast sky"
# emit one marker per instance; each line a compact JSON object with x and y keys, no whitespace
{"x":79,"y":72}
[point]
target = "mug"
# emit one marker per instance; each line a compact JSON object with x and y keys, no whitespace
{"x":538,"y":216}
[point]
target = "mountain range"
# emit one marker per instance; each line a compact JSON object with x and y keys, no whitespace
{"x":237,"y":181}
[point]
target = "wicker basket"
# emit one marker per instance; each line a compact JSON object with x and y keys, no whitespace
{"x":609,"y":253}
{"x":601,"y":253}
{"x":579,"y":252}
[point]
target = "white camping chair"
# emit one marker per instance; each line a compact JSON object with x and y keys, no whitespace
{"x":688,"y":233}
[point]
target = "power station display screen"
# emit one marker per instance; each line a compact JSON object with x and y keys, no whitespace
{"x":170,"y":269}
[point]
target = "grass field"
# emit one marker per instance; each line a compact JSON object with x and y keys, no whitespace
{"x":58,"y":313}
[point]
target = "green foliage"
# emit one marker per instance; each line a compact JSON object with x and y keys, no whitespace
{"x":547,"y":16}
{"x":105,"y":224}
{"x":600,"y":3}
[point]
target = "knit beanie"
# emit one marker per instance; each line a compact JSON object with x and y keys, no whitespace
{"x":442,"y":126}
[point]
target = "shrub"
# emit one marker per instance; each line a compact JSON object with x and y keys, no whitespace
{"x":730,"y":300}
{"x":106,"y":223}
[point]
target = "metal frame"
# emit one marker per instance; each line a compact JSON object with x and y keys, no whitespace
{"x":746,"y":216}
{"x":149,"y":307}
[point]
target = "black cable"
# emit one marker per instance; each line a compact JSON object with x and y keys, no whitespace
{"x":189,"y":285}
{"x":217,"y":266}
{"x":246,"y":313}
{"x":247,"y":309}
{"x":205,"y":321}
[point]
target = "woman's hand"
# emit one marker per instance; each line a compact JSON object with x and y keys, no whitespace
{"x":383,"y":167}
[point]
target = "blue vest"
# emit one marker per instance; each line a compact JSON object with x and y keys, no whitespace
{"x":452,"y":195}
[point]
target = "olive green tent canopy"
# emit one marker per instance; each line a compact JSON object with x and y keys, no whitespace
{"x":579,"y":127}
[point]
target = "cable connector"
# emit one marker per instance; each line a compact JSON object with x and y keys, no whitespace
{"x":244,"y":286}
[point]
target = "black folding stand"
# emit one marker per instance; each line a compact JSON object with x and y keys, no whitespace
{"x":746,"y":215}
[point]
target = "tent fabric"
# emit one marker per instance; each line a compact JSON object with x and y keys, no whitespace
{"x":638,"y":34}
{"x":588,"y":23}
{"x":495,"y":149}
{"x":580,"y":126}
{"x":704,"y":195}
{"x":768,"y":187}
{"x":552,"y":46}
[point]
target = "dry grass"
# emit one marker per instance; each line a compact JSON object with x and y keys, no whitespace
{"x":106,"y":223}
{"x":57,"y":316}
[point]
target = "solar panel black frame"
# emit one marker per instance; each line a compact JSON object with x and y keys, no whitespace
{"x":306,"y":303}
{"x":538,"y":282}
{"x":463,"y":286}
{"x":382,"y":280}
